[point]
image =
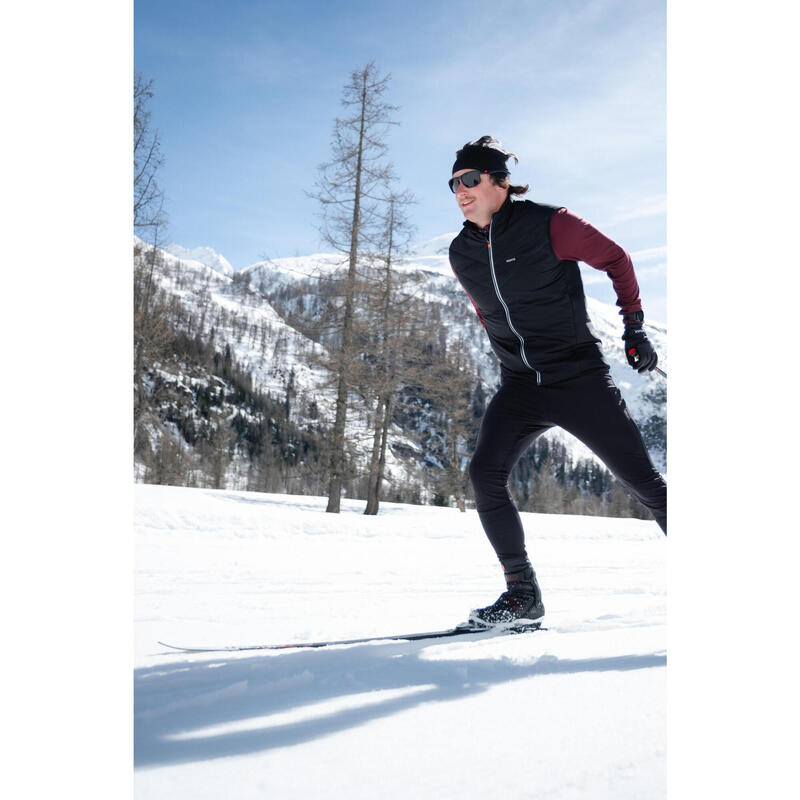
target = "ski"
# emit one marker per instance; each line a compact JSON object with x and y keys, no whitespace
{"x":459,"y":630}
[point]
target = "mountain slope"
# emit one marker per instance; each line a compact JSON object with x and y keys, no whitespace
{"x":205,"y":255}
{"x":250,"y":317}
{"x":645,"y":395}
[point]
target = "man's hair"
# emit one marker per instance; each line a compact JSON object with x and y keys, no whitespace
{"x":502,"y":180}
{"x":499,"y":179}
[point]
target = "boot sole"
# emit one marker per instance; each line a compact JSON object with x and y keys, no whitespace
{"x":522,"y":622}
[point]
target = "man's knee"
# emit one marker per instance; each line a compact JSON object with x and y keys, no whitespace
{"x":489,"y":480}
{"x":481,"y":470}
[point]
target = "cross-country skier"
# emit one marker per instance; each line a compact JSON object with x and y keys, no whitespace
{"x":516,"y":259}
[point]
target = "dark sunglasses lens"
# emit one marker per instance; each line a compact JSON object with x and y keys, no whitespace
{"x":468,"y":179}
{"x":471,"y":179}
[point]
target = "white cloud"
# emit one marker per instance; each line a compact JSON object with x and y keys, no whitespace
{"x":592,"y":276}
{"x":656,"y":271}
{"x":650,"y":254}
{"x":646,"y":207}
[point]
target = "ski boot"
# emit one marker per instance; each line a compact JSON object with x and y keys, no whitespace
{"x":520,"y":604}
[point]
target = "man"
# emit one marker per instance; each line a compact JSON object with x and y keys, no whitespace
{"x":517,"y":262}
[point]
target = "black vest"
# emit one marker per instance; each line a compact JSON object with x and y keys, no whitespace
{"x":531,"y":303}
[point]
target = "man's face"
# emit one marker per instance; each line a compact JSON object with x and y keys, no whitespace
{"x":478,"y":203}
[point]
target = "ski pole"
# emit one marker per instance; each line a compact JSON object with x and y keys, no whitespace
{"x":660,"y":372}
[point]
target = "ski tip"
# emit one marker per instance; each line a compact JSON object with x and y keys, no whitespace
{"x":179,"y":649}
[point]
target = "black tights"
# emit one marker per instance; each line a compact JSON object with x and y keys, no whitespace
{"x":591,"y":408}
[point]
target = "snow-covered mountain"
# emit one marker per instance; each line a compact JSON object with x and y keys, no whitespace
{"x":205,"y":255}
{"x":430,"y":258}
{"x":230,"y":308}
{"x":248,"y":312}
{"x":643,"y":393}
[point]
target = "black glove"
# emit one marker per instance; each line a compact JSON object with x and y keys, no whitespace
{"x":638,"y":350}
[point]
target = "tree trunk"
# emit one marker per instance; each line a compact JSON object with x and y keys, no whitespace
{"x":373,"y":486}
{"x":383,"y":418}
{"x":336,"y":468}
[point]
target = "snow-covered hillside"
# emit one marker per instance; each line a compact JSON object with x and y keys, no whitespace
{"x":574,"y":712}
{"x":430,"y":260}
{"x":213,"y":295}
{"x":204,"y":255}
{"x":243,"y":311}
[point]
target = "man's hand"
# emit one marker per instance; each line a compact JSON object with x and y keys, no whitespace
{"x":638,"y":350}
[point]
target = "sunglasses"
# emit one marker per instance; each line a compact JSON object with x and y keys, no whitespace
{"x":471,"y":179}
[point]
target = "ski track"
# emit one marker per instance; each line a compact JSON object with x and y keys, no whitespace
{"x":574,"y":711}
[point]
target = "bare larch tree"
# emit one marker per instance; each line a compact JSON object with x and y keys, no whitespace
{"x":393,"y":344}
{"x":351,"y":190}
{"x":148,"y":198}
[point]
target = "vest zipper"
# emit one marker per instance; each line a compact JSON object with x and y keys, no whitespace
{"x":508,"y":313}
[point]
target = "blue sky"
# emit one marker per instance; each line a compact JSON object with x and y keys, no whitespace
{"x":246,"y":94}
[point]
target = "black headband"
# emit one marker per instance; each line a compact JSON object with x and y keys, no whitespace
{"x":476,"y":156}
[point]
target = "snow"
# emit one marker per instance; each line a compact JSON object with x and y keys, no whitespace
{"x":574,"y":711}
{"x":204,"y":255}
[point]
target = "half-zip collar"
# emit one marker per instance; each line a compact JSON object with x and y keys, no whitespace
{"x":499,"y":221}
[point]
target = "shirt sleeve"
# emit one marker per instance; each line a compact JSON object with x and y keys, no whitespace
{"x":574,"y":239}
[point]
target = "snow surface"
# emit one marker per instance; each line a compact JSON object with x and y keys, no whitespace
{"x":576,"y":711}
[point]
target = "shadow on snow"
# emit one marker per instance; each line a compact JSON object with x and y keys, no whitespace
{"x":175,"y":702}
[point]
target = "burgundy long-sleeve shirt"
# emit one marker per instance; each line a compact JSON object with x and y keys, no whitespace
{"x":574,"y":239}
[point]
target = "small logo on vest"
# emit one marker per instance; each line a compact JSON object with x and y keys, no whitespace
{"x":509,"y":260}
